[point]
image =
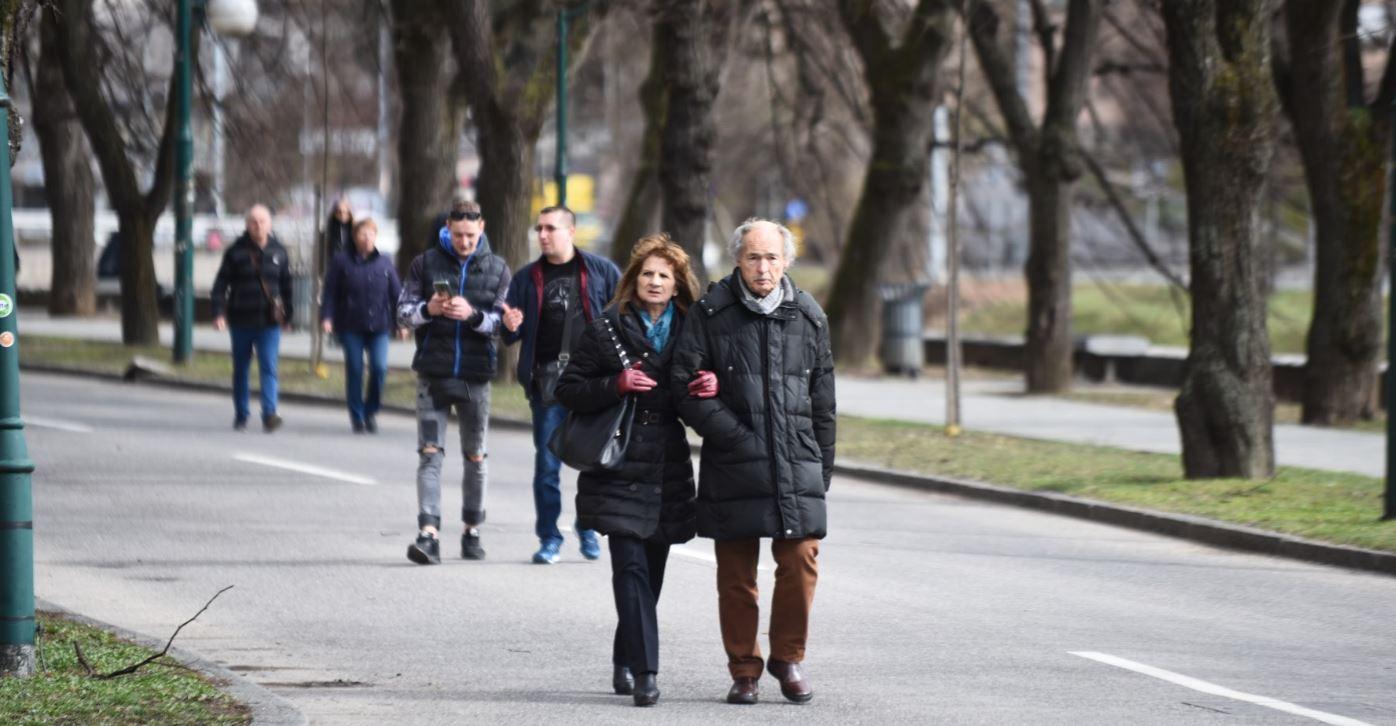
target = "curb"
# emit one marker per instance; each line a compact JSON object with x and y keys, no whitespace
{"x":267,"y":707}
{"x":1181,"y":526}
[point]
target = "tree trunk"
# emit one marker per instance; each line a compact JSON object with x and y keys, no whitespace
{"x":642,"y":201}
{"x":432,"y":116}
{"x":506,"y":163}
{"x":903,"y":81}
{"x":1050,"y":162}
{"x":1047,"y":353}
{"x":1344,"y":145}
{"x":136,"y":212}
{"x":68,"y":183}
{"x":1224,"y":108}
{"x":687,"y":29}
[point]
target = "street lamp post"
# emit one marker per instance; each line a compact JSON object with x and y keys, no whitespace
{"x":564,"y":22}
{"x":16,"y":498}
{"x":1389,"y":511}
{"x":228,"y":17}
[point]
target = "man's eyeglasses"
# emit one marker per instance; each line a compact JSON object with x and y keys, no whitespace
{"x":458,"y":216}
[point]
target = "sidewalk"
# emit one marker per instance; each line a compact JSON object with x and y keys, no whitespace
{"x":995,"y":406}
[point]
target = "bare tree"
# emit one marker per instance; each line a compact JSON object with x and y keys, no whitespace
{"x":504,"y":51}
{"x":642,"y":198}
{"x":433,"y":115}
{"x":1343,"y":140}
{"x":68,"y":182}
{"x":902,"y":75}
{"x":1224,"y":107}
{"x":1051,"y":163}
{"x":136,"y":211}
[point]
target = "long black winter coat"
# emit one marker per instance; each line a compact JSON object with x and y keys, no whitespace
{"x":651,"y":494}
{"x":768,"y":436}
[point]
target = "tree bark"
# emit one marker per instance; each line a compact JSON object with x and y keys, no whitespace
{"x":68,"y":182}
{"x":433,"y":114}
{"x":692,"y":33}
{"x":505,"y":54}
{"x":1224,"y":108}
{"x":136,"y":212}
{"x":1051,"y":163}
{"x":904,"y":88}
{"x":642,"y":201}
{"x":1344,"y":145}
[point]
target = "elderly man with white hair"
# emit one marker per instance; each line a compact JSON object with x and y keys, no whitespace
{"x":252,"y":300}
{"x":768,"y":448}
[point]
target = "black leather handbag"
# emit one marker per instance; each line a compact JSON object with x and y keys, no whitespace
{"x":596,"y":440}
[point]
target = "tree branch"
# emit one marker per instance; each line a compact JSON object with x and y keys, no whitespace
{"x":1135,"y":235}
{"x":136,"y":666}
{"x":866,"y":29}
{"x":1068,"y":88}
{"x":994,"y":62}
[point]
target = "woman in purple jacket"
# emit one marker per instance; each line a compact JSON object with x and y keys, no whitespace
{"x":361,"y":290}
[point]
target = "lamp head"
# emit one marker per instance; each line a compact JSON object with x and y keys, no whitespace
{"x":231,"y":17}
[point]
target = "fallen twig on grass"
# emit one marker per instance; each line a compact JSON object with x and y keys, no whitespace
{"x":136,"y":666}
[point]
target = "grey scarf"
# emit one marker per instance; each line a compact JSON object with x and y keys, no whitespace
{"x":767,"y":305}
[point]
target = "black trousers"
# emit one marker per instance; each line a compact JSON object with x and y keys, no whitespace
{"x":637,"y":574}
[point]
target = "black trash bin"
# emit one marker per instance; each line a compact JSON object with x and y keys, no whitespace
{"x":903,"y":351}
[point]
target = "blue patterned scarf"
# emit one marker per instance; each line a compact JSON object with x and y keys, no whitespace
{"x":657,"y":332}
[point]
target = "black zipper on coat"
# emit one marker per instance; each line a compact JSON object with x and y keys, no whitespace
{"x":766,"y":324}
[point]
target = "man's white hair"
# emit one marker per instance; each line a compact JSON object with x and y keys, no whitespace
{"x":740,"y":233}
{"x":257,"y":208}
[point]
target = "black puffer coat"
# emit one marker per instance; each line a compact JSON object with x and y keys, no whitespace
{"x":768,"y":436}
{"x":651,"y":495}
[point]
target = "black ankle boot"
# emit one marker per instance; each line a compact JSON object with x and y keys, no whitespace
{"x":646,"y":690}
{"x":621,"y":681}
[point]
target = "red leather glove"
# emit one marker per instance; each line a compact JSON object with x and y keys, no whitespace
{"x":703,"y":385}
{"x":633,"y":380}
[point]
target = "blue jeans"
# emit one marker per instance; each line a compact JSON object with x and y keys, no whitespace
{"x":267,"y":341}
{"x":355,"y":344}
{"x":547,"y":486}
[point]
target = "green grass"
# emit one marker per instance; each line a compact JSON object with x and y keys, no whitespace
{"x":1144,"y":310}
{"x":294,"y":375}
{"x":1334,"y":507}
{"x":1340,"y":508}
{"x":61,"y":691}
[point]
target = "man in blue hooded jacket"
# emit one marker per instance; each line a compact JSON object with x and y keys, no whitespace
{"x":452,"y":299}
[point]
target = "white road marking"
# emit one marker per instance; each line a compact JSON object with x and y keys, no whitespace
{"x":304,"y":468}
{"x":1216,"y":690}
{"x":705,"y":556}
{"x":53,"y":423}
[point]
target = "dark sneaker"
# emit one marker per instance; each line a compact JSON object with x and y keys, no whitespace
{"x":371,"y":424}
{"x":239,"y":424}
{"x":357,"y":426}
{"x":470,"y":548}
{"x":547,"y":554}
{"x":425,"y":551}
{"x":271,"y":423}
{"x":591,"y":544}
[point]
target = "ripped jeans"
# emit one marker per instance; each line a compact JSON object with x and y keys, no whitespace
{"x":431,"y":451}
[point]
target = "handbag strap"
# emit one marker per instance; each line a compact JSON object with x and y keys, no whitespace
{"x":262,"y":281}
{"x":564,"y":354}
{"x":615,"y":340}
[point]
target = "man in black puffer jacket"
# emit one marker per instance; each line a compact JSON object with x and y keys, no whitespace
{"x":768,"y":448}
{"x":452,"y":298}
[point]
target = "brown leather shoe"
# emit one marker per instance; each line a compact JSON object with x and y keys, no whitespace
{"x":792,"y":681}
{"x":743,"y":691}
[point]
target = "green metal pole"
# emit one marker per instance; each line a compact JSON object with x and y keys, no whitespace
{"x":1390,"y":509}
{"x":184,"y":192}
{"x":16,"y":496}
{"x":560,"y":170}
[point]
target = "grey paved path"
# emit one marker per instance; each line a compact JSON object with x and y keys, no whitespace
{"x":996,"y":406}
{"x":930,"y":609}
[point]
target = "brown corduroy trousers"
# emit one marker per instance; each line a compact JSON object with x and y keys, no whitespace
{"x":797,"y":570}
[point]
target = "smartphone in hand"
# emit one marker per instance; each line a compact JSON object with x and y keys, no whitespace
{"x":443,"y":287}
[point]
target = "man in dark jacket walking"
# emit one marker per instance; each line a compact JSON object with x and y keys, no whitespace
{"x":551,"y":300}
{"x":252,"y":300}
{"x":768,"y":448}
{"x":452,"y":298}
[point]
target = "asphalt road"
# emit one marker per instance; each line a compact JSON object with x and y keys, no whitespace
{"x":931,"y":609}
